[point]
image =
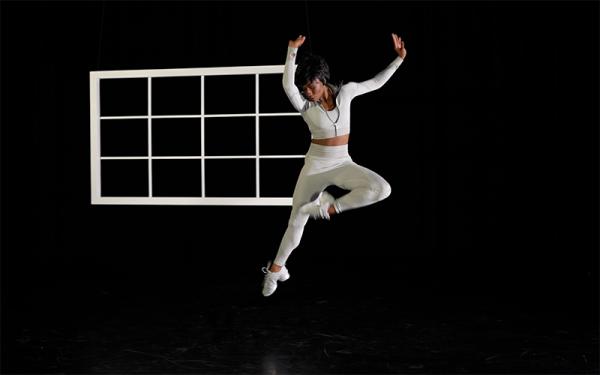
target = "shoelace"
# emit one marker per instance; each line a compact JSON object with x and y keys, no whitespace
{"x":323,"y":211}
{"x":265,"y":270}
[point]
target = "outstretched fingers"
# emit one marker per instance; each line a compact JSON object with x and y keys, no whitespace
{"x":398,"y":43}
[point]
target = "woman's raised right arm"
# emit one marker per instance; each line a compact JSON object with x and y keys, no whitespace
{"x":289,"y":87}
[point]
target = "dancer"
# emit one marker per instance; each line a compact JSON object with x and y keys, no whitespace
{"x":325,"y":107}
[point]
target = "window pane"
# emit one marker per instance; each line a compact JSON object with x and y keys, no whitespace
{"x":124,"y":178}
{"x":176,"y":96}
{"x":177,"y":178}
{"x":124,"y":137}
{"x":229,"y":94}
{"x":230,"y":178}
{"x":284,"y":135}
{"x":278,"y":176}
{"x":124,"y":97}
{"x":230,"y":136}
{"x":176,"y":137}
{"x":272,"y":97}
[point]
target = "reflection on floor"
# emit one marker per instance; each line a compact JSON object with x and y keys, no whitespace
{"x":364,"y":325}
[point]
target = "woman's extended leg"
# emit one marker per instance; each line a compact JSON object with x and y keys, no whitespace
{"x":307,"y":190}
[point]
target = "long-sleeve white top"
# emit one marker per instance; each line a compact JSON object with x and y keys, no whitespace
{"x":327,"y":124}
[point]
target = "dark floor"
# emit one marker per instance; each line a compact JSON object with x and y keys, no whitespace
{"x":371,"y":323}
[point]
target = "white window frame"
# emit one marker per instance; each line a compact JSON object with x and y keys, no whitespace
{"x":96,"y":158}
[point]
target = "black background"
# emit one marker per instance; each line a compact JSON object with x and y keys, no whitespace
{"x":487,"y":133}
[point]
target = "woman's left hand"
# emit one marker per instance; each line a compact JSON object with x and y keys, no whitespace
{"x":399,"y":46}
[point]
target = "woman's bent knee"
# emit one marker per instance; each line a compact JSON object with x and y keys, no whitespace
{"x":379,"y":192}
{"x":384,"y":191}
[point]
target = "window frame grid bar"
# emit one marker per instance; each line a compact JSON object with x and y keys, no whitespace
{"x":183,"y":157}
{"x":197,"y":201}
{"x":202,"y":149}
{"x":141,"y":117}
{"x":95,"y":121}
{"x":256,"y":132}
{"x":150,"y":136}
{"x":191,"y":72}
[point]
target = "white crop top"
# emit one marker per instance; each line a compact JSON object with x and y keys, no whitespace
{"x":328,"y":124}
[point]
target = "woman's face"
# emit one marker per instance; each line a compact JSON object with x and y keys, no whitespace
{"x":314,"y":90}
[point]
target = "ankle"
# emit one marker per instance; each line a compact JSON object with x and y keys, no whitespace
{"x":275,"y":268}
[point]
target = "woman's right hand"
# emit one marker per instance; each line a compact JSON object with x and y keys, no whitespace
{"x":298,"y":42}
{"x":399,"y":46}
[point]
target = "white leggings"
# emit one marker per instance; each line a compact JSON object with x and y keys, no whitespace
{"x":325,"y":166}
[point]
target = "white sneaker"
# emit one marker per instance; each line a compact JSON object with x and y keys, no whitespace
{"x":317,"y":209}
{"x":271,"y":279}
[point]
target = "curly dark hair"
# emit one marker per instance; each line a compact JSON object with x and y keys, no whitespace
{"x":312,"y":67}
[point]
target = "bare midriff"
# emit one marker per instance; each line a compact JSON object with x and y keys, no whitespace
{"x":333,"y":141}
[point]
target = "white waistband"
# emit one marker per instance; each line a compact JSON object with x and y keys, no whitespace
{"x":321,"y":151}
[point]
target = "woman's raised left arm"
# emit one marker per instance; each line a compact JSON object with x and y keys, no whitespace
{"x":382,"y":77}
